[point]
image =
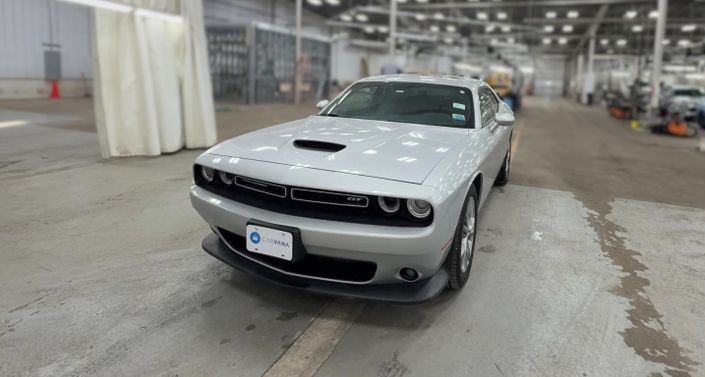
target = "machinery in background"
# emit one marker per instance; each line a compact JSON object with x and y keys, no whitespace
{"x":628,"y":101}
{"x":508,"y":87}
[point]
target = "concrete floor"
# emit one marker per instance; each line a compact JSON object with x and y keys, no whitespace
{"x":590,"y":263}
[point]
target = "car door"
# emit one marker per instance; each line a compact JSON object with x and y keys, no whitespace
{"x":488,"y":108}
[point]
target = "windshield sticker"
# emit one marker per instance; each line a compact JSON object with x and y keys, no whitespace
{"x":459,"y":117}
{"x":458,"y":106}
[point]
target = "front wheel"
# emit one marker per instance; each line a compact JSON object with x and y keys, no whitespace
{"x":503,"y":176}
{"x":463,"y":248}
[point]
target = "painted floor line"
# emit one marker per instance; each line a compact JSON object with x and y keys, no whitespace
{"x":312,"y":348}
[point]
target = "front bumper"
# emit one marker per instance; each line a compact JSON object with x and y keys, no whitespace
{"x":407,"y":293}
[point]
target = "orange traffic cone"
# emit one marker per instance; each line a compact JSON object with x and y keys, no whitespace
{"x":55,"y":90}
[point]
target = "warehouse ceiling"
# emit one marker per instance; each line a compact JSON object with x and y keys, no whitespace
{"x":550,"y":26}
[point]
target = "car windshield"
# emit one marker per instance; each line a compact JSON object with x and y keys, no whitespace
{"x":419,"y":103}
{"x":689,"y":92}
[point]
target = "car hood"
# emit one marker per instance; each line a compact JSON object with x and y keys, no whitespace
{"x":395,"y":151}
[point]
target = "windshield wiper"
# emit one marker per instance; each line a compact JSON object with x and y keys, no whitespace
{"x":333,"y":115}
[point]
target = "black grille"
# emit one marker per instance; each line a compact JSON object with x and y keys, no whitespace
{"x":333,"y":198}
{"x":312,"y":265}
{"x":261,"y":186}
{"x":311,"y":203}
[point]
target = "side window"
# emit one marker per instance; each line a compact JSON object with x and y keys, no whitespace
{"x":488,"y":106}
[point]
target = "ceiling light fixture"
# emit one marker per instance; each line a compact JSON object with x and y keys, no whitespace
{"x":551,"y":14}
{"x":506,"y":28}
{"x":621,"y":42}
{"x":630,"y":14}
{"x":567,"y":28}
{"x":346,"y":17}
{"x":548,"y":28}
{"x":637,"y":28}
{"x":337,"y":2}
{"x":489,"y":28}
{"x":315,"y":3}
{"x":688,"y":28}
{"x":108,"y":5}
{"x":573,"y":14}
{"x":361,"y":17}
{"x":604,"y":41}
{"x":653,"y":14}
{"x":546,"y":41}
{"x":438,"y":16}
{"x":420,"y":16}
{"x":684,"y":43}
{"x":501,"y":16}
{"x":562,"y":41}
{"x":451,"y":28}
{"x":481,"y":16}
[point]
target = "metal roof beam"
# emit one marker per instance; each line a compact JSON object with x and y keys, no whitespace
{"x":511,"y":4}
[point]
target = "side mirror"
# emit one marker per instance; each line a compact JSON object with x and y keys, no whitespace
{"x":504,"y":117}
{"x":322,"y":104}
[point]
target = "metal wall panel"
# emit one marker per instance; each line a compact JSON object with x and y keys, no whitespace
{"x":29,"y":27}
{"x":549,"y":74}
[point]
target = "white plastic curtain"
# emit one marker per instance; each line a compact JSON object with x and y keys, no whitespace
{"x":152,"y":85}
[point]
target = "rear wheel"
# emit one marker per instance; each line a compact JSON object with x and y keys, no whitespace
{"x":463,"y":248}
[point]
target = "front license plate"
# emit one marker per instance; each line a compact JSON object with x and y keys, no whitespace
{"x":273,"y":242}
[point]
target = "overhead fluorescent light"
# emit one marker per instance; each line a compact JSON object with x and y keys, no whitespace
{"x":316,"y":3}
{"x":369,"y":29}
{"x":548,"y":28}
{"x":362,"y":17}
{"x":158,"y":15}
{"x":434,"y":28}
{"x":666,"y":42}
{"x":551,"y":14}
{"x":489,"y":28}
{"x":688,"y":28}
{"x":511,"y":40}
{"x":695,"y":76}
{"x":422,"y":1}
{"x":481,"y":16}
{"x":684,"y":43}
{"x":567,"y":28}
{"x":637,"y":28}
{"x":604,"y":41}
{"x":621,"y":42}
{"x":546,"y":41}
{"x":501,"y":16}
{"x":506,"y":28}
{"x":630,"y":14}
{"x":448,"y":40}
{"x":679,"y":68}
{"x":346,"y":17}
{"x":573,"y":14}
{"x":451,"y":28}
{"x":383,"y":29}
{"x":438,"y":16}
{"x":420,"y":16}
{"x":653,"y":14}
{"x":562,"y":41}
{"x":527,"y":70}
{"x":103,"y":4}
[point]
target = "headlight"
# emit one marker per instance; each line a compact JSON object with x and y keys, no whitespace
{"x":227,"y":178}
{"x":389,"y":205}
{"x":207,"y":173}
{"x":420,"y":209}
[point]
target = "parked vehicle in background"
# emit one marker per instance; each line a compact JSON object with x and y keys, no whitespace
{"x":687,"y":98}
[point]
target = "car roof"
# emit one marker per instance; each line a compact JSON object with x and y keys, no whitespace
{"x":460,"y":81}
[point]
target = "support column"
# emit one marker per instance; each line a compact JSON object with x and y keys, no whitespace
{"x":579,"y":77}
{"x":589,"y":82}
{"x":298,"y":81}
{"x":658,"y":53}
{"x":392,"y":28}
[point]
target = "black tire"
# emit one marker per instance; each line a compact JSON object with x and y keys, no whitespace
{"x":458,"y":276}
{"x":503,"y":175}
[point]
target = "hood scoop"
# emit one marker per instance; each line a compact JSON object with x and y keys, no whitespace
{"x":316,"y":145}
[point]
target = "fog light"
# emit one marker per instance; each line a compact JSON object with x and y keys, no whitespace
{"x":420,"y":209}
{"x":389,"y":205}
{"x":227,"y":178}
{"x":207,"y":173}
{"x":408,"y":274}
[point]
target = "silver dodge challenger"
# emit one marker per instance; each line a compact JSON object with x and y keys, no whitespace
{"x":375,"y":197}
